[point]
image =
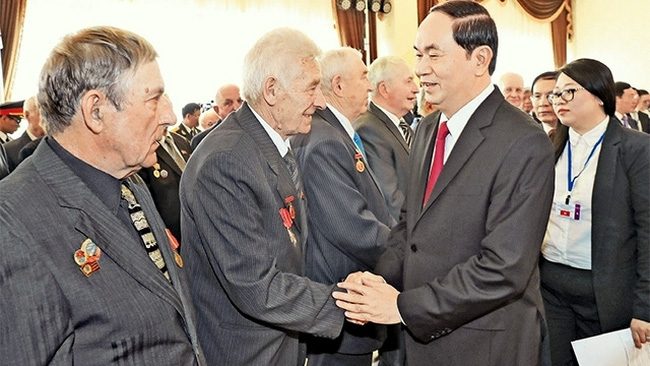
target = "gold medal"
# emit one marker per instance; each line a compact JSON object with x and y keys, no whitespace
{"x":179,"y":260}
{"x":360,"y":166}
{"x":156,"y":173}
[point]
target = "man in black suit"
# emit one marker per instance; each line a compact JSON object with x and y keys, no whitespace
{"x":349,"y":222}
{"x":226,"y":101}
{"x":33,"y":132}
{"x":626,"y":100}
{"x":11,"y":113}
{"x":188,"y":126}
{"x":4,"y":168}
{"x":463,"y":258}
{"x":164,"y":177}
{"x":88,"y":273}
{"x":244,"y":216}
{"x":642,"y":112}
{"x":385,"y":134}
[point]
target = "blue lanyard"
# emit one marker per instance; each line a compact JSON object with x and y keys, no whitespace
{"x":572,"y":181}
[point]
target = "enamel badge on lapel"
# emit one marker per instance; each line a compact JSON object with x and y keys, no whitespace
{"x":87,"y":257}
{"x":360,"y":165}
{"x":288,"y":214}
{"x":174,"y":243}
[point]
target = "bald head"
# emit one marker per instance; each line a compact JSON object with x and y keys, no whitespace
{"x":227,"y":100}
{"x":208,"y":119}
{"x":512,"y":86}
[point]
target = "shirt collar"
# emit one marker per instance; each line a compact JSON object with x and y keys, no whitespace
{"x":392,"y":117}
{"x":457,"y":123}
{"x":282,"y":145}
{"x":345,"y":122}
{"x":106,"y":187}
{"x":590,"y":137}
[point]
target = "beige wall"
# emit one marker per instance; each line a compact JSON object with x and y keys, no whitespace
{"x":615,"y":33}
{"x":603,"y":29}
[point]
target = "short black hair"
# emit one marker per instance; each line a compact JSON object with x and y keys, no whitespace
{"x":642,"y":92}
{"x":472,"y":27}
{"x":190,"y":108}
{"x":547,"y":75}
{"x":596,"y":77}
{"x":620,"y":87}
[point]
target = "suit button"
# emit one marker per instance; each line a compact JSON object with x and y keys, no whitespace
{"x":414,"y":248}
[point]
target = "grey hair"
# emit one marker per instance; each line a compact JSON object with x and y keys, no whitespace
{"x":336,"y":62}
{"x":382,"y":70}
{"x":102,"y":58}
{"x":279,"y":53}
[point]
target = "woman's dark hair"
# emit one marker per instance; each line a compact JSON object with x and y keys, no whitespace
{"x":596,"y":77}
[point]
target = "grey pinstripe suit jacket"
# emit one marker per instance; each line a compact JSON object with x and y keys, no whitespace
{"x":388,"y":155}
{"x":126,"y":313}
{"x":251,"y":297}
{"x":349,"y":221}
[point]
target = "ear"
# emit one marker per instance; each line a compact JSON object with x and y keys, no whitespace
{"x":93,"y":102}
{"x":482,"y":56}
{"x":382,"y":89}
{"x":270,"y":90}
{"x":337,"y":85}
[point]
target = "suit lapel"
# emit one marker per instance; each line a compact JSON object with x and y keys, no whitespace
{"x":604,"y":183}
{"x":285,"y":186}
{"x":328,"y":116}
{"x":95,"y":221}
{"x":389,"y":124}
{"x":164,"y":156}
{"x":469,"y":139}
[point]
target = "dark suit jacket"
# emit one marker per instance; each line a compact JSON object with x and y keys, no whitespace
{"x":620,"y":236}
{"x":251,"y":297}
{"x":164,"y":190}
{"x":4,"y":166}
{"x":125,"y":313}
{"x":201,"y":135}
{"x":387,"y":154}
{"x":348,"y":218}
{"x":467,"y":261}
{"x":182,"y":130}
{"x":13,"y":149}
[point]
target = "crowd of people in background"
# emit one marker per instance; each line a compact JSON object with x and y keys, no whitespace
{"x":323,"y":211}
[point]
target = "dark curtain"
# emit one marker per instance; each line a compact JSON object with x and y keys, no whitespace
{"x":351,"y":27}
{"x":423,"y":8}
{"x":12,"y":16}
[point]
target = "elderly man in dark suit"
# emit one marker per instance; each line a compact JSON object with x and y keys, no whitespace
{"x":244,"y":219}
{"x":33,"y":132}
{"x":88,"y":274}
{"x":348,"y":218}
{"x":464,"y":257}
{"x":226,"y":101}
{"x":385,"y":134}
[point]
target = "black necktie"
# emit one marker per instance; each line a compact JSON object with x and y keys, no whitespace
{"x":292,"y":164}
{"x":406,"y":130}
{"x":142,"y":226}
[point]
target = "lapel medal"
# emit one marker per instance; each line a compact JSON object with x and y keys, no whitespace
{"x":360,"y":166}
{"x":156,"y":170}
{"x":174,"y":243}
{"x":289,"y":202}
{"x":87,"y":257}
{"x":163,"y":173}
{"x":287,"y":221}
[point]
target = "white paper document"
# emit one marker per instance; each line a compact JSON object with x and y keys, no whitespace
{"x":611,"y":349}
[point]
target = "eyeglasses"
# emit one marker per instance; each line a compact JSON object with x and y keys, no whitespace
{"x":566,"y":95}
{"x":15,"y":118}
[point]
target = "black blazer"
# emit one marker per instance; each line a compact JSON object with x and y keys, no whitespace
{"x":163,"y":182}
{"x":13,"y":148}
{"x":620,"y":233}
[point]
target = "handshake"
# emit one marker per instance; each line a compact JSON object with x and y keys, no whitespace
{"x":368,"y":299}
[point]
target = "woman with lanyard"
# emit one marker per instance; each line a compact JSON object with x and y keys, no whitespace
{"x":595,"y":265}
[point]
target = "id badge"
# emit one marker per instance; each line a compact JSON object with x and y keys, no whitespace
{"x":570,"y":211}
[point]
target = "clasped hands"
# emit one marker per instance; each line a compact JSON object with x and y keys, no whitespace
{"x":368,"y":299}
